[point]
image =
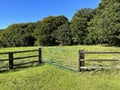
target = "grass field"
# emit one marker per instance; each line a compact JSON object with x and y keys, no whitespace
{"x":60,"y":71}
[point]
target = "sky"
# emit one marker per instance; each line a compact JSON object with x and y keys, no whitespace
{"x":23,"y":11}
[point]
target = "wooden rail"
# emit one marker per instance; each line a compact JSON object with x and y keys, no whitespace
{"x":82,"y":60}
{"x":102,"y":52}
{"x":101,"y":60}
{"x":20,"y":51}
{"x":11,"y":58}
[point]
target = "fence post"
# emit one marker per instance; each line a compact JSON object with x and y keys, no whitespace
{"x":10,"y":60}
{"x":40,"y":55}
{"x":81,"y":60}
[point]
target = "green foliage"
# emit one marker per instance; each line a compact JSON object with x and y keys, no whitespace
{"x":46,"y":27}
{"x":0,"y":38}
{"x":104,"y":28}
{"x":84,"y":13}
{"x":63,"y":35}
{"x":78,"y":30}
{"x":17,"y":34}
{"x":29,"y":34}
{"x":79,"y":25}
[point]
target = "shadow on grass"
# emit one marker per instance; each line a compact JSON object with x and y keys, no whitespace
{"x":53,"y":63}
{"x":18,"y":68}
{"x":58,"y":65}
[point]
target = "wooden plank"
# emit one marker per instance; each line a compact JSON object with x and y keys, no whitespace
{"x":40,"y":55}
{"x":25,"y":63}
{"x":2,"y":60}
{"x":101,"y":60}
{"x":5,"y":53}
{"x":81,"y":60}
{"x":102,"y":52}
{"x":90,"y":67}
{"x":10,"y":60}
{"x":4,"y":66}
{"x":25,"y":51}
{"x":20,"y":51}
{"x":25,"y":57}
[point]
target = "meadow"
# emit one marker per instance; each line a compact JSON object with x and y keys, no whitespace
{"x":60,"y":70}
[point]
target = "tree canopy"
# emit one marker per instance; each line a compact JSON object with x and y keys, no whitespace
{"x":45,"y":29}
{"x":17,"y":35}
{"x":87,"y":26}
{"x":104,"y":28}
{"x":79,"y":24}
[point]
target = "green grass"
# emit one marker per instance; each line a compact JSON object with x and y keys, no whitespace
{"x":60,"y":71}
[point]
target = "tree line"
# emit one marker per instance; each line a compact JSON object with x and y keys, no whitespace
{"x":88,"y":26}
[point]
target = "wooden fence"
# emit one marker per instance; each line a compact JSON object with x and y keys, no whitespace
{"x":11,"y":58}
{"x":82,"y":60}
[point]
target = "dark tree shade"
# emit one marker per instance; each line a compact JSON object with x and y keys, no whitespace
{"x":63,"y":35}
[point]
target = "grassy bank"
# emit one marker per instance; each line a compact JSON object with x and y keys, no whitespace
{"x":47,"y":77}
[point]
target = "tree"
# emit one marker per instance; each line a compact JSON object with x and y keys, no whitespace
{"x":15,"y":34}
{"x":46,"y":27}
{"x":84,"y":13}
{"x":0,"y":38}
{"x":104,"y":28}
{"x":63,"y":35}
{"x":79,"y":25}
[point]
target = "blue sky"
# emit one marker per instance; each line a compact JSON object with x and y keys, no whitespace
{"x":22,"y":11}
